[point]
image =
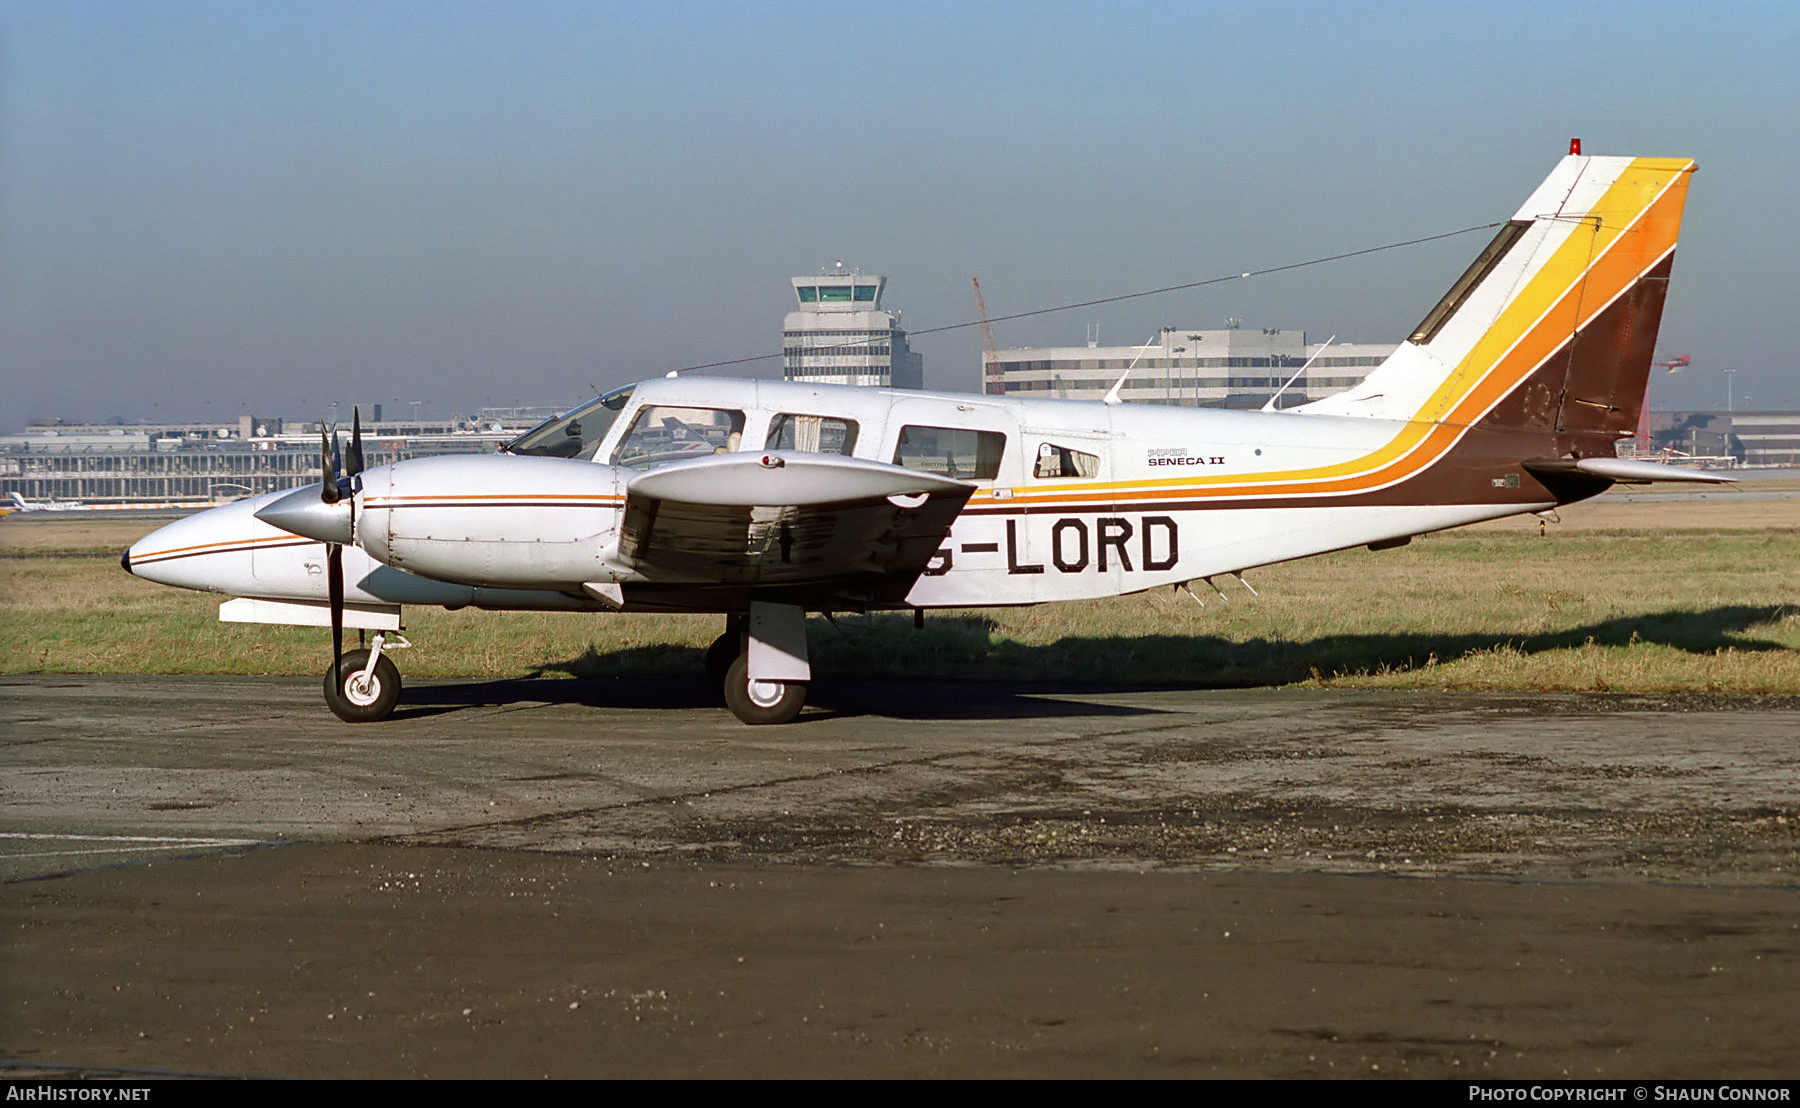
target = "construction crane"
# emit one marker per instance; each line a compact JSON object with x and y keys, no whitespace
{"x":990,"y":363}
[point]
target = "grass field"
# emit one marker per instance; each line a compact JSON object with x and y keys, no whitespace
{"x":1623,"y":594}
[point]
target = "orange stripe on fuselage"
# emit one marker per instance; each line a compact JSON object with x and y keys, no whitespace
{"x":497,"y":499}
{"x":229,"y":546}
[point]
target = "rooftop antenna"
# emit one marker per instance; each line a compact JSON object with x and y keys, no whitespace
{"x":1270,"y":406}
{"x":1112,"y":395}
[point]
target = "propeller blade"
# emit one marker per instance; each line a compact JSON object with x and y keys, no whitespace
{"x":334,"y":570}
{"x":353,"y":462}
{"x":328,"y":490}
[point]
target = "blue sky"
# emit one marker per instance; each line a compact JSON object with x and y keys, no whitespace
{"x":210,"y":208}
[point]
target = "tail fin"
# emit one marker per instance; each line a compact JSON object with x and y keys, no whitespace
{"x":1553,"y":327}
{"x":18,"y":501}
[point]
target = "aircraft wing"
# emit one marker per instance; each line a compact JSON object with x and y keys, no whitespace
{"x":815,"y":528}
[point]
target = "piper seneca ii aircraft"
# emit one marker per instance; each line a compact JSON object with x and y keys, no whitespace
{"x":763,"y":501}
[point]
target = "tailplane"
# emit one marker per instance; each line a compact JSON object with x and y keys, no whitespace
{"x":1554,"y":325}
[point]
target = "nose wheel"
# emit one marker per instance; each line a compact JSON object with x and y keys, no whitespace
{"x":363,"y":686}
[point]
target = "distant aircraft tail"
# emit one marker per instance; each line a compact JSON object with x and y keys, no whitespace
{"x":1553,"y":327}
{"x":18,"y":501}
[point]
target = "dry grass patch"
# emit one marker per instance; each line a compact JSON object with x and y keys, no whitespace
{"x":1702,"y":609}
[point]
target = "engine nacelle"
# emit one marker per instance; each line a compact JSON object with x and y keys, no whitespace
{"x":496,"y":520}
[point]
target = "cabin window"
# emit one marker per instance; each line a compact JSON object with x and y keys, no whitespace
{"x":953,"y":452}
{"x":1062,"y":461}
{"x":811,"y":434}
{"x":577,"y":432}
{"x":661,"y":433}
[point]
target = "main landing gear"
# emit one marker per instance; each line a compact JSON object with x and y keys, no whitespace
{"x":761,"y":663}
{"x":767,"y":701}
{"x":364,"y":685}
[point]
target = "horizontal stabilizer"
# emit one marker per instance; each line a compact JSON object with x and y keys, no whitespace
{"x":1626,"y":470}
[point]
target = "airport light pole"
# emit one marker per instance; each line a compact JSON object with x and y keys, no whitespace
{"x":1194,"y":343}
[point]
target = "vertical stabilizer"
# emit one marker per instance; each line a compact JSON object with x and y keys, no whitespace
{"x":1552,"y":327}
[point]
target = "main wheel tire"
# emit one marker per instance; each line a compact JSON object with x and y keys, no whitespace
{"x":760,"y":702}
{"x":354,"y":701}
{"x":719,"y":656}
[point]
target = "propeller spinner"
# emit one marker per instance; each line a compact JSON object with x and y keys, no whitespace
{"x":329,"y":515}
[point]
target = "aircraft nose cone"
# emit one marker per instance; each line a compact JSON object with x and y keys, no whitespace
{"x":125,"y":561}
{"x":303,"y":513}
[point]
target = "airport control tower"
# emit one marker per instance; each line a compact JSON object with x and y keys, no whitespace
{"x":841,"y":335}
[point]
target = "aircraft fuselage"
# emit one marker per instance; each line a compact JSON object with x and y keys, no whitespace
{"x":1071,"y":500}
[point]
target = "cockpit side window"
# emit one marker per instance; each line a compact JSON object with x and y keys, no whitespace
{"x":812,"y":434}
{"x":662,"y":433}
{"x":577,"y":432}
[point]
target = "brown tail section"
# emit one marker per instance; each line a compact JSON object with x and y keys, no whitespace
{"x":1608,"y":367}
{"x":1596,"y":381}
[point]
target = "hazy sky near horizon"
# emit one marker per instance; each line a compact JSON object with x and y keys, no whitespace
{"x":213,"y":208}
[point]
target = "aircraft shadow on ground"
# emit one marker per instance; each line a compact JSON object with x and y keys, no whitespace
{"x":897,"y":699}
{"x":962,"y":667}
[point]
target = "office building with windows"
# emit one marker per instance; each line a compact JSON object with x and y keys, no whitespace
{"x":1231,"y":368}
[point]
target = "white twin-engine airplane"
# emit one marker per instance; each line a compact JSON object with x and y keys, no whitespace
{"x":764,"y":501}
{"x":20,"y":504}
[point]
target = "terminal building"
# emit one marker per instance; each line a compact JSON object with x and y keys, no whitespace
{"x":194,"y":465}
{"x":839,"y":334}
{"x":1721,"y":439}
{"x":1231,"y":368}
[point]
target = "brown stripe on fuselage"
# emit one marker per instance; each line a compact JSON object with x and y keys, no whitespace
{"x":230,"y":546}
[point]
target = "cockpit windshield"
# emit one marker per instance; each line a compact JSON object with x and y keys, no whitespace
{"x":575,"y":433}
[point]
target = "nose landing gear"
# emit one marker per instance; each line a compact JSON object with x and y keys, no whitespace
{"x":364,"y":685}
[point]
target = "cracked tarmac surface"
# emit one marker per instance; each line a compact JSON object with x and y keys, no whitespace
{"x":617,"y":879}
